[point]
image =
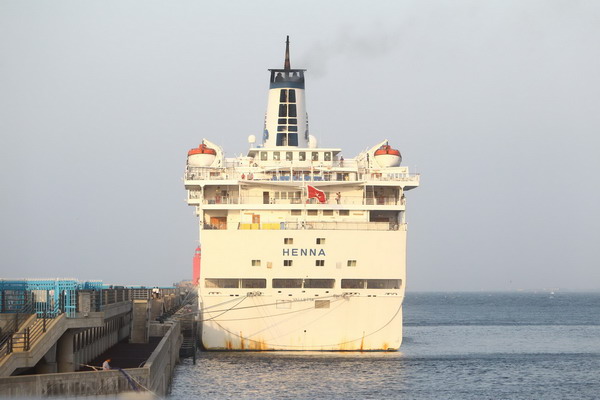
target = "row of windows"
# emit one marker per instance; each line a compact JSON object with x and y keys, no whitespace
{"x":287,"y":110}
{"x":287,"y":195}
{"x":286,"y":121}
{"x":287,"y":125}
{"x":291,"y":241}
{"x":286,"y":139}
{"x":341,"y":213}
{"x":299,"y":283}
{"x":289,"y":263}
{"x":287,"y":96}
{"x":289,"y":155}
{"x":284,"y":128}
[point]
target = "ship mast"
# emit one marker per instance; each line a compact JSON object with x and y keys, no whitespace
{"x":286,"y":63}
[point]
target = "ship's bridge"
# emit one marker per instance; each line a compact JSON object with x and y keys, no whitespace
{"x":287,"y":78}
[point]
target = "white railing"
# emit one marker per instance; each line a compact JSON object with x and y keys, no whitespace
{"x":249,"y":174}
{"x":285,"y":163}
{"x":331,"y":200}
{"x":352,"y":226}
{"x":314,"y":225}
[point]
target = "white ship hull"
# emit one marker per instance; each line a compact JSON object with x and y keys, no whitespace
{"x":352,"y":323}
{"x":332,"y":318}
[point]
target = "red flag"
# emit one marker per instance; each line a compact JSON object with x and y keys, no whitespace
{"x":315,"y":193}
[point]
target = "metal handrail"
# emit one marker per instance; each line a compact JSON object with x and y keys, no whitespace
{"x":12,"y":327}
{"x":27,"y":337}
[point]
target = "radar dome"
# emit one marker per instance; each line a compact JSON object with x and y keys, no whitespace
{"x":251,"y":139}
{"x":312,"y":142}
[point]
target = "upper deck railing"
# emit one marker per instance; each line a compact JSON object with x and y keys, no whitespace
{"x":315,"y":225}
{"x":290,"y":175}
{"x":331,"y":199}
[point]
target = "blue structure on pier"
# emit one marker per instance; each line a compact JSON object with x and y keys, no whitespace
{"x":43,"y":296}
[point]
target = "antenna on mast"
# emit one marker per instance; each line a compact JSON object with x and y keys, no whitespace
{"x":286,"y":64}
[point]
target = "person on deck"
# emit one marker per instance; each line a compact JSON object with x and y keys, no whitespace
{"x":106,"y":365}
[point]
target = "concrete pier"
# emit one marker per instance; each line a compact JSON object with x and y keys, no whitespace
{"x":154,"y":376}
{"x":43,"y":355}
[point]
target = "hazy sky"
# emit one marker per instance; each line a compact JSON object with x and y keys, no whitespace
{"x":495,"y":103}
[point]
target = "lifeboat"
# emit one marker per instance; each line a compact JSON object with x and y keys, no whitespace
{"x":387,"y":157}
{"x":201,"y":156}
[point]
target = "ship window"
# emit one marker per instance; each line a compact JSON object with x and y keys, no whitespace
{"x":281,"y":139}
{"x":296,"y":212}
{"x":288,"y":155}
{"x":276,"y":155}
{"x":281,"y":128}
{"x":321,"y":303}
{"x":320,"y":240}
{"x":283,"y":96}
{"x":327,"y":156}
{"x":315,"y":156}
{"x":288,"y":241}
{"x":263,"y":155}
{"x":352,"y":263}
{"x":292,"y":111}
{"x":327,"y":213}
{"x":287,"y":263}
{"x":283,"y":110}
{"x":344,"y":212}
{"x":302,"y":156}
{"x":319,"y":263}
{"x":319,"y":283}
{"x":312,"y":212}
{"x":256,"y":263}
{"x":293,"y":138}
{"x":293,"y":128}
{"x":384,"y":283}
{"x":282,"y":121}
{"x":292,"y":121}
{"x":292,"y":98}
{"x":222,"y":283}
{"x":353,"y":283}
{"x":287,"y":283}
{"x":254,"y":283}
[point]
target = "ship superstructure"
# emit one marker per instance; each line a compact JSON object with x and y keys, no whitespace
{"x":301,"y":248}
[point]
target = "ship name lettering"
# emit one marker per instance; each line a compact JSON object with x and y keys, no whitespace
{"x":304,"y":252}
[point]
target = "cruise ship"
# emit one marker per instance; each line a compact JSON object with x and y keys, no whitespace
{"x":302,"y":248}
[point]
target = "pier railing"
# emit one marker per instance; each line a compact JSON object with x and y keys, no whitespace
{"x":23,"y":326}
{"x":25,"y":338}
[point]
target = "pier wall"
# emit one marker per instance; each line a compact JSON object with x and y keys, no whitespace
{"x":90,"y":343}
{"x":161,"y":363}
{"x":155,"y":375}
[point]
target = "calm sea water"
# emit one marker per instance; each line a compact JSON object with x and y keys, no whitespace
{"x":456,"y":346}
